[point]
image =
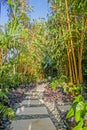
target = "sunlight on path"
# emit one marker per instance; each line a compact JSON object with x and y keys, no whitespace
{"x":30,"y":125}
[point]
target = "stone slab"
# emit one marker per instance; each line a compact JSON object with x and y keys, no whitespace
{"x":31,"y":93}
{"x":64,"y":108}
{"x":31,"y":98}
{"x":33,"y":124}
{"x":30,"y":102}
{"x":31,"y":110}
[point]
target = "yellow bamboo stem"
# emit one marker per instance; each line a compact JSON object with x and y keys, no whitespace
{"x":71,"y":41}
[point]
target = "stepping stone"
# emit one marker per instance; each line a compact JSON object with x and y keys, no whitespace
{"x":33,"y":124}
{"x":31,"y":102}
{"x":31,"y":97}
{"x":64,"y":108}
{"x":26,"y":102}
{"x":31,"y":110}
{"x":31,"y":93}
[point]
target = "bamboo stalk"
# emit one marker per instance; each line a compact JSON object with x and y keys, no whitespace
{"x":71,"y":41}
{"x":70,"y":70}
{"x":81,"y":50}
{"x":68,"y":50}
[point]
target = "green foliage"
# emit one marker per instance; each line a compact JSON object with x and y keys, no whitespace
{"x":84,"y":61}
{"x":48,"y":65}
{"x":62,"y":78}
{"x":59,"y":35}
{"x":26,"y":78}
{"x":3,"y":95}
{"x":8,"y":79}
{"x":5,"y":111}
{"x":80,"y":6}
{"x":15,"y":79}
{"x":73,"y":89}
{"x":58,"y":82}
{"x":32,"y":78}
{"x":79,"y":111}
{"x":54,"y":84}
{"x":13,"y":43}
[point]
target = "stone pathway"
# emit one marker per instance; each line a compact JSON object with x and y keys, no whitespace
{"x":35,"y":114}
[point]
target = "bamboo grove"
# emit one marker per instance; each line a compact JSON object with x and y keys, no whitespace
{"x":71,"y":16}
{"x":52,"y":47}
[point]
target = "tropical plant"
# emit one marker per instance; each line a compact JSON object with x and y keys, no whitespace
{"x":78,"y":110}
{"x":6,"y":112}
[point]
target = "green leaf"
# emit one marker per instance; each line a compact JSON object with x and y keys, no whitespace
{"x":79,"y":126}
{"x":78,"y":99}
{"x":85,"y":106}
{"x":2,"y":94}
{"x":79,"y":109}
{"x":85,"y":128}
{"x":70,"y":113}
{"x":77,"y":116}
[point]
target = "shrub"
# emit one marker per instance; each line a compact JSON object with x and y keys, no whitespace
{"x":6,"y":112}
{"x":58,"y":82}
{"x":54,"y":84}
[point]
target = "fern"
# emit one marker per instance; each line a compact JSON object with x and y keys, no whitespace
{"x":6,"y":111}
